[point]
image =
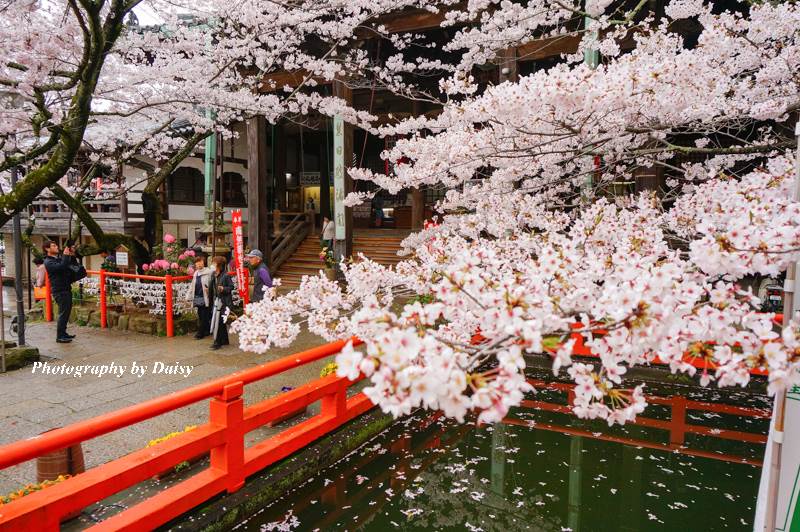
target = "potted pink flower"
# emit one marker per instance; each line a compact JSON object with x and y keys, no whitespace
{"x":172,"y":260}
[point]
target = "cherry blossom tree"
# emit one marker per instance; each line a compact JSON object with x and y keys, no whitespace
{"x":77,"y":79}
{"x":537,"y":242}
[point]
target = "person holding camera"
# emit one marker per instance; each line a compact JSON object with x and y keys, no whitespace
{"x":62,"y":271}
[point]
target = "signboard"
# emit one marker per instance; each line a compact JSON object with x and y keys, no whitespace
{"x":238,"y":252}
{"x":308,"y":179}
{"x":121,"y":258}
{"x":338,"y":177}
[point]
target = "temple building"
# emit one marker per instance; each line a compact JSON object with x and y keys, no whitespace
{"x":283,"y":175}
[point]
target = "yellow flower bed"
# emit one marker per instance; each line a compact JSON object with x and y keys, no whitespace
{"x":31,"y":488}
{"x":170,"y":436}
{"x":329,"y":368}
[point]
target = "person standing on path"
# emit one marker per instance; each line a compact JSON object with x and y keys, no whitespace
{"x":261,"y":278}
{"x":328,"y":233}
{"x":59,"y":270}
{"x":221,"y":288}
{"x":198,"y":294}
{"x":41,"y":273}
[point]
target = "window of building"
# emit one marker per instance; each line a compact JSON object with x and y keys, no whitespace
{"x":234,"y":193}
{"x":186,"y":185}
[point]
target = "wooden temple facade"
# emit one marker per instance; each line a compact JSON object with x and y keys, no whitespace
{"x":290,"y":166}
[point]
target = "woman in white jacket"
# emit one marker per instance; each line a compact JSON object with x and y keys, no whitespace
{"x":197,"y":293}
{"x":328,"y":233}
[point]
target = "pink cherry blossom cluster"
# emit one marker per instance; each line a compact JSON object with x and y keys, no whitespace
{"x":524,"y":252}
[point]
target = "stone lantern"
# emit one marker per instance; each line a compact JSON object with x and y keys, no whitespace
{"x":218,"y":228}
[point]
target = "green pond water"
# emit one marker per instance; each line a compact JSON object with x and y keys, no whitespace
{"x":430,"y":473}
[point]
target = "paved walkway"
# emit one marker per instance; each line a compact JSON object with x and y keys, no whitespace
{"x":33,"y":403}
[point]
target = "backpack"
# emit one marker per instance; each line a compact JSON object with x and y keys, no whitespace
{"x":78,"y":272}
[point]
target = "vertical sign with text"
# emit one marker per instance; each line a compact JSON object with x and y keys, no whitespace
{"x":339,"y":165}
{"x":238,"y":252}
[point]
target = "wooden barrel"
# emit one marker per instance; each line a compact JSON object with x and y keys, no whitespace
{"x":67,"y":461}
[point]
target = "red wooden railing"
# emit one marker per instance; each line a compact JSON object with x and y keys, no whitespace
{"x":168,"y":281}
{"x":222,"y":436}
{"x":676,"y":426}
{"x":581,"y":349}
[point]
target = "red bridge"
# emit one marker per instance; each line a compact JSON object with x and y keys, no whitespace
{"x":231,"y":463}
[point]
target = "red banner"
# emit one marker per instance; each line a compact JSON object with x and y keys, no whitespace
{"x":238,"y":253}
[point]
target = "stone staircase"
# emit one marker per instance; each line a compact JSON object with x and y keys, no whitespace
{"x":305,"y":260}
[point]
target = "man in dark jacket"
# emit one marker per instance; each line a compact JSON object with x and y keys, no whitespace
{"x":261,"y":277}
{"x":59,"y":270}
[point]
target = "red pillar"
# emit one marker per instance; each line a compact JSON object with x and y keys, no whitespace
{"x":168,"y":296}
{"x":103,"y":303}
{"x":677,"y":430}
{"x":48,"y":300}
{"x":227,"y":410}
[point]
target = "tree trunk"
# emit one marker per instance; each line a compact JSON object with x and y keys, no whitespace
{"x":151,"y":195}
{"x":103,"y":38}
{"x":153,"y":219}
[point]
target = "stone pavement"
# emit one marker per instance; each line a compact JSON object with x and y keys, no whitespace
{"x":33,"y":403}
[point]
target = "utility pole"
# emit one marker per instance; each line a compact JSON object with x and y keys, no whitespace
{"x":591,"y":57}
{"x":18,"y":266}
{"x":210,"y":158}
{"x":214,"y":203}
{"x":210,"y":166}
{"x":2,"y":324}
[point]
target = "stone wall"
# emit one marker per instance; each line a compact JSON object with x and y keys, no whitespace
{"x":134,"y":320}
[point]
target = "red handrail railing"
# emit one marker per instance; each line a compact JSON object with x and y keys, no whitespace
{"x":168,"y":281}
{"x":222,"y":436}
{"x":579,"y":348}
{"x":676,"y":426}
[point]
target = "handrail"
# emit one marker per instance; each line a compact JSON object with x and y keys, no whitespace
{"x":579,"y":348}
{"x":103,"y":274}
{"x":119,"y":208}
{"x":121,"y":275}
{"x":676,"y":426}
{"x":289,"y":239}
{"x":23,"y":450}
{"x":223,"y":436}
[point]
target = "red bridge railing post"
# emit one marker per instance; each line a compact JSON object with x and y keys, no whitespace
{"x":103,"y":303}
{"x":48,"y":300}
{"x":168,"y":296}
{"x":335,"y":404}
{"x":677,"y":430}
{"x":227,"y":410}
